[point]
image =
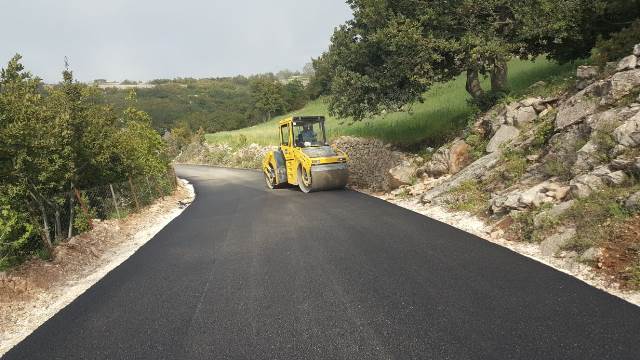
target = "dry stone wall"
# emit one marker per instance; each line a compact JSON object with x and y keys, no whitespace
{"x":369,"y":162}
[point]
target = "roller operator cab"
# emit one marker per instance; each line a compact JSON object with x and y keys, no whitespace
{"x":304,"y":158}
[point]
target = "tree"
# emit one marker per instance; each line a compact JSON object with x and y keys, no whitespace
{"x":320,"y":81}
{"x":294,"y":95}
{"x":52,"y":140}
{"x":589,"y":21}
{"x":268,"y":96}
{"x":392,"y":51}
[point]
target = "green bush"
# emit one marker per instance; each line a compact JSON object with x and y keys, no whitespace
{"x":17,"y":236}
{"x":618,"y":46}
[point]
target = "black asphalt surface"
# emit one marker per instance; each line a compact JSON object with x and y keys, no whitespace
{"x":246,"y":273}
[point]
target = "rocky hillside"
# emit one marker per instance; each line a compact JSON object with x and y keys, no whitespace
{"x":559,"y":171}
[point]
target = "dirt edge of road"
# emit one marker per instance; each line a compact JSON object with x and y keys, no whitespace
{"x":35,"y":291}
{"x":476,"y":226}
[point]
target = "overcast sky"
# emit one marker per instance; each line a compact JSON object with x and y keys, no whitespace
{"x":148,"y":39}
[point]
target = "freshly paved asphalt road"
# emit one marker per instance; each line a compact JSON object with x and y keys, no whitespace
{"x":246,"y":273}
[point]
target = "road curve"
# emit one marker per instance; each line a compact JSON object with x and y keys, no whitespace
{"x":246,"y":273}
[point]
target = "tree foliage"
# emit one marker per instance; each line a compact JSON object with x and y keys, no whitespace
{"x":53,"y":140}
{"x":392,"y":51}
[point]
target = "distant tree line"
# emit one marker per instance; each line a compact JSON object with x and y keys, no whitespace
{"x":217,"y":104}
{"x":391,"y":52}
{"x":57,"y":139}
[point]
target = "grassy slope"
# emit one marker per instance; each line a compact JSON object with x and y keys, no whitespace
{"x":444,"y":112}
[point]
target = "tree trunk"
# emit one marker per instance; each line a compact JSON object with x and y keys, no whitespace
{"x":499,"y":77}
{"x":58,"y":224}
{"x":473,"y":84}
{"x":47,"y":234}
{"x":71,"y":203}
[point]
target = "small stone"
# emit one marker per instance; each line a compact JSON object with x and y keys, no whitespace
{"x":592,"y":254}
{"x":583,"y":185}
{"x":505,"y":134}
{"x":525,"y":115}
{"x":628,"y":134}
{"x":616,"y":178}
{"x":497,"y":234}
{"x":633,"y":202}
{"x":636,"y":50}
{"x":587,"y":72}
{"x":554,"y":243}
{"x":531,"y":101}
{"x":628,"y":63}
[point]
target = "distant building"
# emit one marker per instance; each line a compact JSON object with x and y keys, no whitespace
{"x":302,"y":78}
{"x":117,"y":85}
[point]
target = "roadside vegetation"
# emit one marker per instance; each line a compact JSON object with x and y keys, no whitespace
{"x":55,"y":143}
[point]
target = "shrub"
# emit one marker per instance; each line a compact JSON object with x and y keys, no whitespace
{"x":468,"y":196}
{"x":595,"y":216}
{"x":17,"y":236}
{"x":544,"y":132}
{"x":515,"y":165}
{"x":618,"y":46}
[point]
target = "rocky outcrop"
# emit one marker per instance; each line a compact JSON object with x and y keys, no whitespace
{"x":449,"y":159}
{"x":472,"y":172}
{"x":576,"y":109}
{"x":628,"y":134}
{"x":504,"y":135}
{"x":628,"y":63}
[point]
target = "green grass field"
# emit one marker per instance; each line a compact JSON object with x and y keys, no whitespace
{"x":444,"y":112}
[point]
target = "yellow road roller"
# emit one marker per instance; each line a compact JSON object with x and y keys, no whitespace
{"x":304,"y":158}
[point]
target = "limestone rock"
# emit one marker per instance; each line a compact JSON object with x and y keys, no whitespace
{"x":554,"y":243}
{"x":587,"y":72}
{"x":628,"y":63}
{"x":552,"y":214}
{"x":587,"y":158}
{"x":505,"y":134}
{"x":621,"y":163}
{"x":459,"y":156}
{"x":621,"y":85}
{"x":592,"y":254}
{"x":576,"y":109}
{"x":525,"y":115}
{"x":610,"y":119}
{"x":633,"y":202}
{"x":403,"y":174}
{"x":583,"y":185}
{"x":447,"y":160}
{"x":636,"y":50}
{"x":533,"y":101}
{"x":474,"y":171}
{"x":628,"y":134}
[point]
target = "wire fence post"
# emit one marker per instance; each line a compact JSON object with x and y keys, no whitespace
{"x":71,"y":214}
{"x":115,"y":200}
{"x":135,"y":196}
